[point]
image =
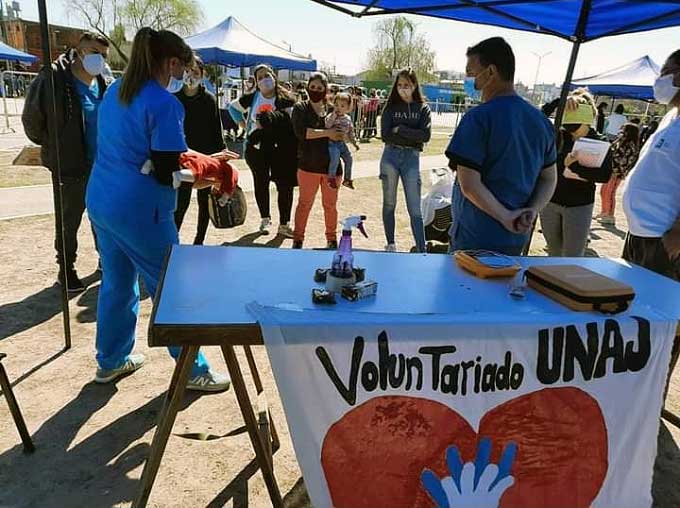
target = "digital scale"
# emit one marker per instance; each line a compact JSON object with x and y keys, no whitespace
{"x":486,"y":264}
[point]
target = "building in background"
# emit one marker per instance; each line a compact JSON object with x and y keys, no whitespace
{"x":543,"y":93}
{"x":24,"y":35}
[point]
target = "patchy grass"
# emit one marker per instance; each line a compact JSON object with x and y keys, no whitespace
{"x":21,"y":176}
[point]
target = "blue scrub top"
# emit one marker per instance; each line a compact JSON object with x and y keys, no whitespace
{"x":127,"y":134}
{"x":509,"y":142}
{"x":89,"y":103}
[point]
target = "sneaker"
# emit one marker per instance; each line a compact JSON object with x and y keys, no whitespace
{"x":265,"y":225}
{"x":286,"y":231}
{"x":599,"y":216}
{"x":297,"y":244}
{"x":391,"y":247}
{"x":133,"y":363}
{"x":348,"y":183}
{"x":332,"y":244}
{"x":209,"y":382}
{"x":73,"y":283}
{"x":608,"y":220}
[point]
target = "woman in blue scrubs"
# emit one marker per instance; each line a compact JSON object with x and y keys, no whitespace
{"x":132,"y":212}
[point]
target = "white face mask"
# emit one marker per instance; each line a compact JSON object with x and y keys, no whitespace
{"x":192,"y":81}
{"x":406,"y":93}
{"x":267,"y":84}
{"x":93,"y":64}
{"x":664,"y":90}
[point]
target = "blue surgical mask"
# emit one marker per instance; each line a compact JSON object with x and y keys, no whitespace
{"x":174,"y":85}
{"x":470,"y":89}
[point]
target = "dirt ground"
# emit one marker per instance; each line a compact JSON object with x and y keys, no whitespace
{"x":92,"y":440}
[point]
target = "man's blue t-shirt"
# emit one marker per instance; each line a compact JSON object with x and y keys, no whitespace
{"x":509,"y":142}
{"x":89,"y":103}
{"x":154,"y":120}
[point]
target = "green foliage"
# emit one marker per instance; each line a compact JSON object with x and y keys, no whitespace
{"x":398,"y":45}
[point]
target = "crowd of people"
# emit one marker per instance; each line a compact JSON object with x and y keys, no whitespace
{"x":511,"y":166}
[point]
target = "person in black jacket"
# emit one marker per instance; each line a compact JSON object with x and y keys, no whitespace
{"x":78,"y":90}
{"x":601,"y":117}
{"x":270,"y":147}
{"x":203,"y":132}
{"x":405,"y":128}
{"x":566,"y":219}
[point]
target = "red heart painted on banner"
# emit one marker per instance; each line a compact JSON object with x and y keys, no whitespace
{"x":374,"y":455}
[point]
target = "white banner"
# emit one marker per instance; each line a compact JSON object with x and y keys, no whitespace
{"x":424,"y":411}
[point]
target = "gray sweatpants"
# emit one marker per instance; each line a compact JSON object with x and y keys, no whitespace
{"x":566,"y":229}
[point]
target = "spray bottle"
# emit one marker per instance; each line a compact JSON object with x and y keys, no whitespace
{"x":342,"y":269}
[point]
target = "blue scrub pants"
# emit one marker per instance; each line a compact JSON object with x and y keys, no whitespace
{"x":129,"y":245}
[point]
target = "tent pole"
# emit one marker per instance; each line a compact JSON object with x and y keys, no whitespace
{"x":567,"y":84}
{"x":56,"y":186}
{"x":578,"y":38}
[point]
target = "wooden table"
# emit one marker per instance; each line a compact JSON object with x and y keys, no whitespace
{"x":202,"y":300}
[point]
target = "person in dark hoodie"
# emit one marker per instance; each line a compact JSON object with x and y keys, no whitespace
{"x":406,"y":127}
{"x":78,"y":90}
{"x":203,"y":132}
{"x":566,"y":219}
{"x":275,"y":159}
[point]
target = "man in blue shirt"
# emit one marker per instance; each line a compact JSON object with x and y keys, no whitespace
{"x":504,"y":154}
{"x":79,"y":88}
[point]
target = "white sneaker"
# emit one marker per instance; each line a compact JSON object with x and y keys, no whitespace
{"x":391,"y":247}
{"x":209,"y":382}
{"x":286,"y":231}
{"x":133,"y":363}
{"x":265,"y":225}
{"x":608,"y":220}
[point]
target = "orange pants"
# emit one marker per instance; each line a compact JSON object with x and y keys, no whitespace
{"x":608,"y":195}
{"x":309,"y":184}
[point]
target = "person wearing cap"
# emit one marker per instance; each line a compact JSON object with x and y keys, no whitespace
{"x":565,"y":221}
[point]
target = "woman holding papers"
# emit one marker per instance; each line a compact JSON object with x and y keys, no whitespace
{"x":566,"y":219}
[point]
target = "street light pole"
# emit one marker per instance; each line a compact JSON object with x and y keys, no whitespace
{"x":538,"y":69}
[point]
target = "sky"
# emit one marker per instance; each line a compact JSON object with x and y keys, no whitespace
{"x":344,"y":41}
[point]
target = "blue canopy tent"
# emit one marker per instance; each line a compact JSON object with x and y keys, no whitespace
{"x":635,"y":80}
{"x":578,"y":21}
{"x":14,"y":55}
{"x":231,"y":44}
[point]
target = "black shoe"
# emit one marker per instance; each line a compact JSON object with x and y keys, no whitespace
{"x":332,"y":245}
{"x":73,"y":283}
{"x":297,"y":244}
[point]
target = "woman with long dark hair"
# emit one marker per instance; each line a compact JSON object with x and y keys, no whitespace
{"x":203,"y":132}
{"x":313,"y":160}
{"x":406,"y":127}
{"x":270,"y":145}
{"x":625,"y":152}
{"x":132,"y":211}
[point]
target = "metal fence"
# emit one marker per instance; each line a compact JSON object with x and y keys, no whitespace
{"x":13,"y":87}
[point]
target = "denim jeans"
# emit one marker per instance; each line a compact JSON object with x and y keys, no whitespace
{"x":402,"y":163}
{"x":339,"y":150}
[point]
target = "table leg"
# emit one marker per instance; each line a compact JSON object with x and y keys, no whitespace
{"x":261,"y":455}
{"x":253,"y":369}
{"x":274,"y":443}
{"x":166,"y":420}
{"x":675,"y":355}
{"x":15,"y":411}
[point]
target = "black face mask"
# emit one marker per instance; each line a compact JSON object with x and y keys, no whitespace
{"x":316,"y":95}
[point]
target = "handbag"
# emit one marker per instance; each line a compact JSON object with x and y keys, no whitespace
{"x":230,"y":214}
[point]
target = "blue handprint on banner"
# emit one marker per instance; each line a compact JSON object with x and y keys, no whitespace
{"x":472,"y":485}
